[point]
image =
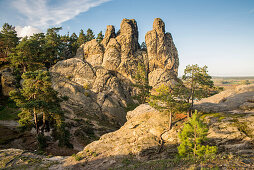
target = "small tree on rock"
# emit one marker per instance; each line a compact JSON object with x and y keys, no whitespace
{"x":142,"y":84}
{"x":168,"y":99}
{"x":198,"y":82}
{"x":193,"y":136}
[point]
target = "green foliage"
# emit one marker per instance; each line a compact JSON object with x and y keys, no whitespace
{"x":28,"y":55}
{"x":198,"y":82}
{"x":38,"y":100}
{"x":193,"y":136}
{"x":81,"y":38}
{"x":99,"y":37}
{"x":77,"y":157}
{"x":142,"y":84}
{"x":8,"y":41}
{"x":53,"y":47}
{"x":89,"y":35}
{"x":168,"y":99}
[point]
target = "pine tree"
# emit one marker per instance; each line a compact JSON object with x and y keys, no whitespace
{"x":168,"y":99}
{"x":8,"y":41}
{"x":28,"y":55}
{"x":53,"y":46}
{"x":99,"y":37}
{"x":81,"y":38}
{"x":198,"y":82}
{"x":142,"y":84}
{"x":74,"y":44}
{"x":39,"y":102}
{"x":89,"y":35}
{"x":193,"y":136}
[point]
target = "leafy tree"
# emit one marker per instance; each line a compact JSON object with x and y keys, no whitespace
{"x":89,"y":35}
{"x":81,"y":38}
{"x":28,"y":54}
{"x":198,"y":82}
{"x":142,"y":84}
{"x":99,"y":37}
{"x":39,"y":102}
{"x":193,"y":136}
{"x":168,"y":99}
{"x":8,"y":41}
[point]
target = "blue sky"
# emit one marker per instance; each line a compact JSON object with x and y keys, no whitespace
{"x":216,"y":33}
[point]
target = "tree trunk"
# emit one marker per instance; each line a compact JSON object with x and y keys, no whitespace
{"x":35,"y":121}
{"x":170,"y":120}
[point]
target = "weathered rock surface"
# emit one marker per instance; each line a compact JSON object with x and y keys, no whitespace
{"x":161,"y":50}
{"x":140,"y":136}
{"x":228,"y":100}
{"x":140,"y":139}
{"x":19,"y":159}
{"x":96,"y":98}
{"x":98,"y":81}
{"x":8,"y":81}
{"x":121,"y":52}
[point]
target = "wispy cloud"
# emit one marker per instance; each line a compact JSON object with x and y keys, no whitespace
{"x":26,"y":31}
{"x":44,"y":13}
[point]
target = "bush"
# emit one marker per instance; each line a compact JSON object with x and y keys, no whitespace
{"x":193,"y":137}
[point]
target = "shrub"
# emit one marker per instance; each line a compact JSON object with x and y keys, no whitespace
{"x":193,"y":136}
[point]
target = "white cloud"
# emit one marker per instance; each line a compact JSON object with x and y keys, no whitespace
{"x":26,"y":31}
{"x":44,"y":13}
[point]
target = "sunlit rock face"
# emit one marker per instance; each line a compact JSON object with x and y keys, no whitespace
{"x":98,"y":80}
{"x":162,"y":55}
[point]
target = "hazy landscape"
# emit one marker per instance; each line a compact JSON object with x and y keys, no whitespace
{"x":111,"y":84}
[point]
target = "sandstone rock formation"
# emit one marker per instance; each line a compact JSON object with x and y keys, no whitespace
{"x":121,"y":52}
{"x":239,"y":98}
{"x":162,"y":54}
{"x":98,"y":81}
{"x":140,"y":137}
{"x":8,"y":81}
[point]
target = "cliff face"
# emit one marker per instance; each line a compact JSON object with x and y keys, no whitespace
{"x":98,"y":81}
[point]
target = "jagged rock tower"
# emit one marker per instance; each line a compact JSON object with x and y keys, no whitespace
{"x":98,"y":80}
